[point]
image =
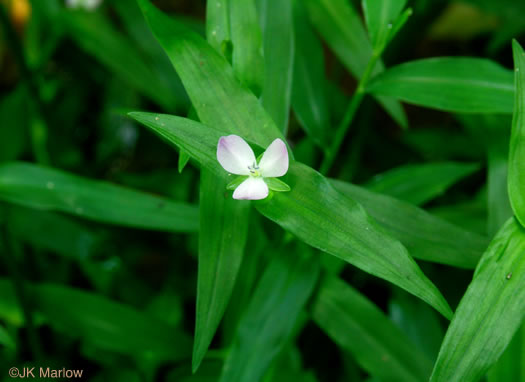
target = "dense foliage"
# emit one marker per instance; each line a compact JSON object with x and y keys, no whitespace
{"x":393,"y":249}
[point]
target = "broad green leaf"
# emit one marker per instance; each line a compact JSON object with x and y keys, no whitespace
{"x":222,"y":238}
{"x":99,"y":38}
{"x":48,"y":189}
{"x":309,"y":98}
{"x":420,"y":183}
{"x":460,"y":84}
{"x":315,"y":212}
{"x":53,"y":232}
{"x":511,"y":364}
{"x":358,"y":326}
{"x":516,"y":182}
{"x":490,"y":311}
{"x":380,"y":17}
{"x":340,"y":25}
{"x":426,"y":236}
{"x":209,"y":79}
{"x":267,"y":324}
{"x":107,"y":324}
{"x":184,"y":158}
{"x":279,"y":49}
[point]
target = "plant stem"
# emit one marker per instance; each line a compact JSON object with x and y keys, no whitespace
{"x":351,"y":110}
{"x":10,"y":252}
{"x":38,"y":126}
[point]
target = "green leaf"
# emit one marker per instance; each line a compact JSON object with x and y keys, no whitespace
{"x":309,"y":101}
{"x":460,"y":84}
{"x":361,"y":328}
{"x":53,"y":232}
{"x":315,"y":212}
{"x":516,"y":182}
{"x":44,"y":188}
{"x":489,"y":313}
{"x":107,"y":324}
{"x":275,"y":184}
{"x":269,"y":319}
{"x":209,"y":79}
{"x":279,"y":47}
{"x":340,"y":25}
{"x":246,"y":36}
{"x":426,"y":236}
{"x":325,"y":219}
{"x":222,"y":238}
{"x":380,"y":17}
{"x":99,"y":38}
{"x":420,"y":183}
{"x":511,"y":365}
{"x":217,"y":23}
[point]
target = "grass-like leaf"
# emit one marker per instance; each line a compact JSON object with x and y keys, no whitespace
{"x":420,"y":183}
{"x":426,"y":236}
{"x":341,"y":27}
{"x":489,"y":313}
{"x":267,"y":324}
{"x":44,"y":188}
{"x":99,"y":321}
{"x":279,"y":47}
{"x":460,"y":84}
{"x":516,"y":180}
{"x":315,"y":212}
{"x":361,"y":328}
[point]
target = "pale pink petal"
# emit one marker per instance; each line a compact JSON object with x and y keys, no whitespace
{"x":274,"y":162}
{"x":251,"y":189}
{"x":235,"y":155}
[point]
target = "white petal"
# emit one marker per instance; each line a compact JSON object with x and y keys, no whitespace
{"x":251,"y":189}
{"x":274,"y":162}
{"x":235,"y":155}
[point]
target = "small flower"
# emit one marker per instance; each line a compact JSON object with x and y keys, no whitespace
{"x":237,"y":157}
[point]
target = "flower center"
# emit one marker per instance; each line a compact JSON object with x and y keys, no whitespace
{"x":254,"y":170}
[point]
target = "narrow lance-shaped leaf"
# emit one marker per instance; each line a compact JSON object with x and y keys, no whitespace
{"x":420,"y":183}
{"x":224,"y":222}
{"x":100,"y":321}
{"x":246,"y":36}
{"x":309,"y":98}
{"x":426,"y":236}
{"x":279,"y":49}
{"x":460,"y":84}
{"x":209,"y":79}
{"x":222,"y":239}
{"x":380,"y":17}
{"x":44,"y":188}
{"x":315,"y":212}
{"x":489,"y":313}
{"x":517,"y":139}
{"x":269,"y":319}
{"x":361,"y":328}
{"x":96,"y":36}
{"x":340,"y":25}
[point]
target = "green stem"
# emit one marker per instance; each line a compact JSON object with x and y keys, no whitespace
{"x":353,"y":106}
{"x":38,"y":126}
{"x":10,"y":253}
